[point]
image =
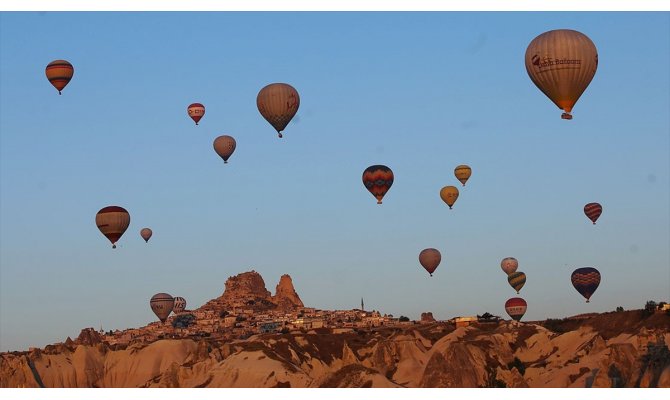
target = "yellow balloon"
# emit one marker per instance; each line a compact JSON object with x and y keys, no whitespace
{"x":449,"y":194}
{"x":562,"y":63}
{"x":463,"y":173}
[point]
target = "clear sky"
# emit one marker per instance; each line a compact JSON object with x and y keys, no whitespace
{"x":419,"y":92}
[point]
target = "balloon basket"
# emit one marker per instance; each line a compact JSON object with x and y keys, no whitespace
{"x":566,"y":116}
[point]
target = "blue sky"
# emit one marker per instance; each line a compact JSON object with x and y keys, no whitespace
{"x":419,"y":92}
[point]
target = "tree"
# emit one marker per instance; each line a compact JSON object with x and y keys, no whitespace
{"x":403,"y":318}
{"x":650,"y":307}
{"x":619,"y":309}
{"x":223,"y":314}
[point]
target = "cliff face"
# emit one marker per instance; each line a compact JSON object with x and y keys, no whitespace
{"x":285,"y":294}
{"x":247,"y":285}
{"x":508,"y":354}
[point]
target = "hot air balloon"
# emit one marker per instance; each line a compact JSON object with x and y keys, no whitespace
{"x":430,"y":258}
{"x":179,"y":305}
{"x":516,"y":308}
{"x":378,"y":180}
{"x":224,"y":147}
{"x":278,"y":103}
{"x":562,"y":63}
{"x":449,"y":194}
{"x":146,"y":234}
{"x":516,"y":280}
{"x":593,"y":211}
{"x":196,"y":111}
{"x":162,"y":305}
{"x":586,"y":281}
{"x":59,"y":73}
{"x":509,"y":265}
{"x":463,"y":173}
{"x":112,"y":222}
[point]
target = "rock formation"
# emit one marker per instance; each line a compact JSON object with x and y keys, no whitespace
{"x":285,"y":294}
{"x":245,"y":286}
{"x":427,"y":317}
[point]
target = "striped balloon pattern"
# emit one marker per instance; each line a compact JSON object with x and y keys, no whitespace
{"x":179,"y":305}
{"x":463,"y":173}
{"x":112,"y":222}
{"x":516,"y":308}
{"x":593,"y":211}
{"x":516,"y":280}
{"x":586,"y":280}
{"x":378,"y":180}
{"x":509,"y":265}
{"x":449,"y":194}
{"x":59,"y":73}
{"x":278,"y":103}
{"x":162,"y":305}
{"x":196,"y":111}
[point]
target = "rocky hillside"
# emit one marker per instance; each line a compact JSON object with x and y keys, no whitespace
{"x":628,"y":349}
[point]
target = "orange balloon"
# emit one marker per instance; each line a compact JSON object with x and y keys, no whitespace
{"x":463,"y":173}
{"x":562,"y":63}
{"x":278,"y":103}
{"x":146,"y":234}
{"x":59,"y":73}
{"x":449,"y":194}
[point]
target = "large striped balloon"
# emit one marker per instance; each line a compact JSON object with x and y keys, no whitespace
{"x":112,"y":222}
{"x":162,"y":305}
{"x":378,"y":180}
{"x":278,"y":103}
{"x":179,"y":305}
{"x":59,"y":73}
{"x":562,"y":63}
{"x":509,"y":265}
{"x":516,"y":308}
{"x":430,"y":258}
{"x":516,"y":280}
{"x":196,"y":111}
{"x":593,"y":211}
{"x":586,"y":281}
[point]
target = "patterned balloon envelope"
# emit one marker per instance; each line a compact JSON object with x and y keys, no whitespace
{"x":224,"y":146}
{"x":516,"y":308}
{"x":179,"y":305}
{"x":463,"y":173}
{"x":593,"y":211}
{"x":196,"y":111}
{"x":516,"y":280}
{"x":586,"y":281}
{"x":59,"y":73}
{"x":378,"y":180}
{"x":278,"y":103}
{"x":430,"y":258}
{"x":162,"y":305}
{"x":112,"y":222}
{"x":509,"y":265}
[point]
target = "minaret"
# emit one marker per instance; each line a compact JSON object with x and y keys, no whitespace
{"x":362,"y":306}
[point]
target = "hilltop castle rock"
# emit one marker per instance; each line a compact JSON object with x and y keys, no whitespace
{"x":245,"y":286}
{"x":248,"y":288}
